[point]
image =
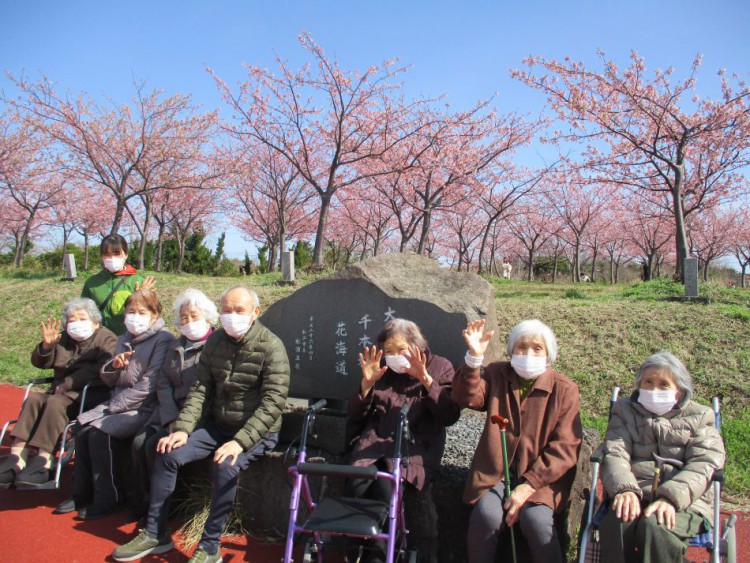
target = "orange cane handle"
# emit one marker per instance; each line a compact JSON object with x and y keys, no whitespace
{"x":500,"y":421}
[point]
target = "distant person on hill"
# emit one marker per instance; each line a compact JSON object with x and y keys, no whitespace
{"x":401,"y":370}
{"x":544,"y":436}
{"x":196,"y":316}
{"x":111,"y":287}
{"x":651,"y":520}
{"x":103,"y":440}
{"x":232,"y":415}
{"x":76,"y":355}
{"x":507,"y":268}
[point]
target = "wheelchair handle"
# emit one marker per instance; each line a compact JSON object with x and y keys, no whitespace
{"x":318,"y":405}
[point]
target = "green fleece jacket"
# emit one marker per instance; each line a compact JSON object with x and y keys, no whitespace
{"x":242,"y":384}
{"x":100,"y":285}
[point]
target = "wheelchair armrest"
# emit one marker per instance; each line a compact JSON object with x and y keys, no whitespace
{"x":718,"y":475}
{"x":333,"y":470}
{"x":41,"y":380}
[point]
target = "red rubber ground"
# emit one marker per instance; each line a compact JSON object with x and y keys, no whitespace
{"x":29,"y":532}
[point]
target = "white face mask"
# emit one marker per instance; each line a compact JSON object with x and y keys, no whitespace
{"x":657,"y":402}
{"x":137,"y":324}
{"x":114,"y":263}
{"x":195,"y":330}
{"x":235,"y":325}
{"x":80,"y":330}
{"x":528,"y":367}
{"x":397,"y":363}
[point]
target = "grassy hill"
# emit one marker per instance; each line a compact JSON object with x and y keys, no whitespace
{"x":604,"y":333}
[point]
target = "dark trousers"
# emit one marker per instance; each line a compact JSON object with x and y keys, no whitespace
{"x":98,"y":471}
{"x":487,"y":523}
{"x":43,"y":418}
{"x":645,"y":540}
{"x":224,"y":476}
{"x":143,"y":454}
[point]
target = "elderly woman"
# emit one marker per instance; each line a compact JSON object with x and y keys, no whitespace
{"x":76,"y":356}
{"x":411,"y":374}
{"x":543,"y":439}
{"x":195,"y":315}
{"x":652,"y":520}
{"x":102,"y":441}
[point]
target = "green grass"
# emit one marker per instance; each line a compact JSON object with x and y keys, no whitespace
{"x":604,"y":332}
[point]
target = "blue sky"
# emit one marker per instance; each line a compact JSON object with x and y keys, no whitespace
{"x":460,"y":49}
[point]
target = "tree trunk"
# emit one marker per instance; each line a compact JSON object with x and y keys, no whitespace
{"x":86,"y":251}
{"x":181,"y":257}
{"x":21,"y":246}
{"x":593,"y":265}
{"x":530,"y":268}
{"x":144,"y":237}
{"x":318,"y":249}
{"x":117,"y":219}
{"x":742,"y":277}
{"x":617,"y":272}
{"x":681,"y":245}
{"x":159,"y":247}
{"x":426,"y":221}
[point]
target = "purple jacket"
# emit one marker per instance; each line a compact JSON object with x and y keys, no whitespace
{"x":429,"y":415}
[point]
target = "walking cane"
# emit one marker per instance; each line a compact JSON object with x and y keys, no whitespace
{"x":502,"y":423}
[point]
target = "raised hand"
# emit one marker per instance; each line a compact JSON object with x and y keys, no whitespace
{"x":148,"y":283}
{"x":50,"y":333}
{"x":475,"y":340}
{"x":371,"y":370}
{"x":122,"y":360}
{"x":418,"y":366}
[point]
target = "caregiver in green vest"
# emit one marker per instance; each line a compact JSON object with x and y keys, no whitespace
{"x":113,"y":285}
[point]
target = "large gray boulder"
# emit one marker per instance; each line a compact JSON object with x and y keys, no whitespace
{"x":326,"y":324}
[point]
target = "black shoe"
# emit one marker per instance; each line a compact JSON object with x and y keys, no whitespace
{"x":96,"y":511}
{"x":35,"y":473}
{"x":7,"y":478}
{"x":66,"y":506}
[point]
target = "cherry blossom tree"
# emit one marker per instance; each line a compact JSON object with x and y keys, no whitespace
{"x":710,"y":235}
{"x":107,"y":145}
{"x":270,"y":202}
{"x":651,"y":230}
{"x":578,"y":202}
{"x":643,"y":135}
{"x":741,"y":242}
{"x":533,"y":223}
{"x":334,"y":126}
{"x":30,"y":177}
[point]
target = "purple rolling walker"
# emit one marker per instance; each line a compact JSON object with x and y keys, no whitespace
{"x":346,"y":516}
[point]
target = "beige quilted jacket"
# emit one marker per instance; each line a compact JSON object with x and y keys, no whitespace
{"x":686,"y":433}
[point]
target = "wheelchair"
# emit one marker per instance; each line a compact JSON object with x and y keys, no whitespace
{"x":64,"y":451}
{"x":348,"y":517}
{"x":720,"y":541}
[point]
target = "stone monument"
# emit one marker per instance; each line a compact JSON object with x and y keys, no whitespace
{"x":690,"y":271}
{"x":69,"y":264}
{"x":326,"y":324}
{"x":287,"y":267}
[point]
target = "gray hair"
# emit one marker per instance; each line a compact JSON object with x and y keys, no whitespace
{"x":77,"y":304}
{"x":195,"y":298}
{"x":663,"y":360}
{"x":404,"y":328}
{"x":253,"y":295}
{"x":529,"y":329}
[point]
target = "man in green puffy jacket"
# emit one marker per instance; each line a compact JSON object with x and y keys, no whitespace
{"x":233,"y":412}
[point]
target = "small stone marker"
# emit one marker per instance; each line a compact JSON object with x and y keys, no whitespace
{"x":287,"y":266}
{"x":691,"y":277}
{"x":69,"y":264}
